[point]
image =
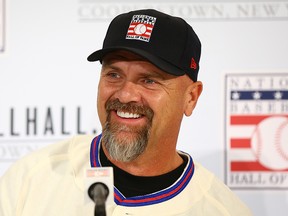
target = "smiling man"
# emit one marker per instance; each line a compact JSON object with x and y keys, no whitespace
{"x":131,"y":96}
{"x":148,"y":82}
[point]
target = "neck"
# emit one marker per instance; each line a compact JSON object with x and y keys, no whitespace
{"x":149,"y":163}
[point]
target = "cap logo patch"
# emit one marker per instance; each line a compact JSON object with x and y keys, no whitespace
{"x":193,"y":64}
{"x":141,"y":27}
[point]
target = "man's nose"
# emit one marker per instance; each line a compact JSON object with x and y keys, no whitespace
{"x":129,"y":92}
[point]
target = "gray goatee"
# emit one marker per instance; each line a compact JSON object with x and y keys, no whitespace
{"x":135,"y":142}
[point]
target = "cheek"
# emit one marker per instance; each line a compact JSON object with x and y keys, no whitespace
{"x":170,"y":103}
{"x":161,"y":108}
{"x":169,"y":109}
{"x":102,"y":97}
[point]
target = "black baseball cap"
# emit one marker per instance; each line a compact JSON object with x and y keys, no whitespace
{"x":166,"y":41}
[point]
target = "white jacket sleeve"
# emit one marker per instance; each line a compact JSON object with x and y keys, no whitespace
{"x":10,"y":190}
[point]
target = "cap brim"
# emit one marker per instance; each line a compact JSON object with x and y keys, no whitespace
{"x":158,"y":62}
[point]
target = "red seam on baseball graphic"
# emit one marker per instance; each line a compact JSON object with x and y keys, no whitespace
{"x":257,"y":152}
{"x":277,"y":140}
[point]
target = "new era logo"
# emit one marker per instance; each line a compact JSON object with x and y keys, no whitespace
{"x":141,"y":27}
{"x":193,"y":64}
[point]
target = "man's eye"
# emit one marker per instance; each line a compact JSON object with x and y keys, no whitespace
{"x":113,"y":75}
{"x":149,"y":81}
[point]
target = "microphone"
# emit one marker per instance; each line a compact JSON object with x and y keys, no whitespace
{"x":99,"y":192}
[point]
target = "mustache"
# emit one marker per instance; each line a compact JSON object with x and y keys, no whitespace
{"x":130,"y":107}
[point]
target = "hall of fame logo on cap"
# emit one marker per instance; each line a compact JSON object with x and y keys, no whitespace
{"x":2,"y":14}
{"x":256,"y":130}
{"x":141,"y":27}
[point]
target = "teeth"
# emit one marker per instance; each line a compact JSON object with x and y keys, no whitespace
{"x":127,"y":115}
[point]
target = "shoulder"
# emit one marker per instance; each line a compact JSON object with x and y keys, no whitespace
{"x":50,"y":165}
{"x":57,"y":149}
{"x":216,"y":194}
{"x":62,"y":150}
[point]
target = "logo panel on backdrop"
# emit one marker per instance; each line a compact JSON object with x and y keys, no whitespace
{"x":2,"y":18}
{"x":256,"y":130}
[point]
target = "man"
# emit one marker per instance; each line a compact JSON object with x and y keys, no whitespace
{"x":148,"y":81}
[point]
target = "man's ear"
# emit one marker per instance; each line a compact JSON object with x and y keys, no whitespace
{"x":192,"y":94}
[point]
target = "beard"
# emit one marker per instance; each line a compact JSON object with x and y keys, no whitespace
{"x":127,"y":147}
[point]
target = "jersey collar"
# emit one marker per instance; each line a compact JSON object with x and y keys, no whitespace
{"x":149,"y":199}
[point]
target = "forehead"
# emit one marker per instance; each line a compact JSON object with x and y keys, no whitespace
{"x":112,"y":58}
{"x":122,"y":55}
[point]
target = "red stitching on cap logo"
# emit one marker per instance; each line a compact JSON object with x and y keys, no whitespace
{"x":193,"y":64}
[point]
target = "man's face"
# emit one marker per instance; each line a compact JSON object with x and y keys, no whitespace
{"x":140,"y":106}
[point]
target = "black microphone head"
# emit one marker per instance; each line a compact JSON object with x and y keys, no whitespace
{"x":99,"y":192}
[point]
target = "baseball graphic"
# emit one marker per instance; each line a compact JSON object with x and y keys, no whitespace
{"x":140,"y":29}
{"x":270,"y":142}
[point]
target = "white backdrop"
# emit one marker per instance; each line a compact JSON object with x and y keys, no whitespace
{"x":48,"y":89}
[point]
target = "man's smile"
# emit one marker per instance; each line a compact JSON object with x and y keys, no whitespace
{"x":128,"y":115}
